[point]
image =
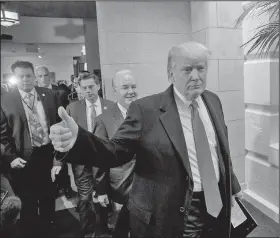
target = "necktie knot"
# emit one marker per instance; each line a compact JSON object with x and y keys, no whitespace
{"x":29,"y":99}
{"x":194,"y":104}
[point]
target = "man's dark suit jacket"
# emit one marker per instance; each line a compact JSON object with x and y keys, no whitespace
{"x":63,"y":95}
{"x":14,"y":130}
{"x":77,"y":110}
{"x":15,"y":137}
{"x":163,"y":185}
{"x":117,"y":181}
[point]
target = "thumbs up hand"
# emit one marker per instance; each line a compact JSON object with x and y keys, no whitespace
{"x":64,"y":134}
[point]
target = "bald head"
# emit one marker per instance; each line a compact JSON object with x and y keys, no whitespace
{"x":125,"y":87}
{"x":43,"y":76}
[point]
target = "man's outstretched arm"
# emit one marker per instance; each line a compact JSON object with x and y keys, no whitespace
{"x":85,"y":148}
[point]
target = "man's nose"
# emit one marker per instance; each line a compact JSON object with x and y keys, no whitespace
{"x":194,"y":74}
{"x":131,"y":90}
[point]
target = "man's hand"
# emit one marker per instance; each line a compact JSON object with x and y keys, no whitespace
{"x":18,"y":163}
{"x":55,"y":171}
{"x":64,"y":134}
{"x":239,"y":195}
{"x":103,"y":200}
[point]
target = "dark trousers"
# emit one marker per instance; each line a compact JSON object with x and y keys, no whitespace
{"x":63,"y":179}
{"x":85,"y":207}
{"x":35,"y":188}
{"x":198,"y":223}
{"x":122,"y":225}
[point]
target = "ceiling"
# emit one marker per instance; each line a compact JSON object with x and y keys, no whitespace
{"x":9,"y":49}
{"x":61,"y":9}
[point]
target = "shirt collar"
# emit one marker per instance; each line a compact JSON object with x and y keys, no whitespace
{"x":97,"y":103}
{"x":50,"y":86}
{"x":123,"y":109}
{"x":183,"y":100}
{"x":23,"y":94}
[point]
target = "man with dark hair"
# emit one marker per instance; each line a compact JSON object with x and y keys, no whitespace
{"x":26,"y":116}
{"x":84,"y":113}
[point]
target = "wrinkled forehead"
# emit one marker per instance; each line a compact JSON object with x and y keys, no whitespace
{"x":40,"y":71}
{"x":125,"y":78}
{"x":88,"y":82}
{"x":25,"y":71}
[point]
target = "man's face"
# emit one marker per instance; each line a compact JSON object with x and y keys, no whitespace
{"x":126,"y":89}
{"x":25,"y":78}
{"x":189,"y":76}
{"x":89,"y":89}
{"x":43,"y":77}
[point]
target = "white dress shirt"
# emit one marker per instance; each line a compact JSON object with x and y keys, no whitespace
{"x":98,"y":110}
{"x":41,"y":113}
{"x":123,"y":110}
{"x":184,"y":110}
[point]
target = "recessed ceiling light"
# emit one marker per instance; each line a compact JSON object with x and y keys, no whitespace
{"x":39,"y":56}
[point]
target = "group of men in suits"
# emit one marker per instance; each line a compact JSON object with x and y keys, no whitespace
{"x":27,"y":112}
{"x":105,"y":187}
{"x":26,"y":116}
{"x":183,"y":181}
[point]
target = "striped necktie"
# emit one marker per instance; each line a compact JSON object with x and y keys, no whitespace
{"x":92,"y":115}
{"x":36,"y":129}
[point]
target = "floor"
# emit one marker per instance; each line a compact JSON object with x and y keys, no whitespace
{"x":67,"y":221}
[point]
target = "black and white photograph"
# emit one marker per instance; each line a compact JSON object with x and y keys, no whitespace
{"x":139,"y":119}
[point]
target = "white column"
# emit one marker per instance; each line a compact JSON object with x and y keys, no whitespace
{"x":261,"y":85}
{"x":213,"y":25}
{"x":138,"y":36}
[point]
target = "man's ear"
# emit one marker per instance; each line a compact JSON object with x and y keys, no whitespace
{"x":171,"y":77}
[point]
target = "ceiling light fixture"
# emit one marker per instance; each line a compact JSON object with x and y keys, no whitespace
{"x":8,"y":17}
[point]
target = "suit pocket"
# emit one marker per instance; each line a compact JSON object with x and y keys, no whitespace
{"x":141,"y":214}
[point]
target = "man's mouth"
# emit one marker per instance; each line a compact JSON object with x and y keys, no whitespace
{"x":194,"y":86}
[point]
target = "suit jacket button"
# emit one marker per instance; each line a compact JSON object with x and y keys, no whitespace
{"x":182,"y":209}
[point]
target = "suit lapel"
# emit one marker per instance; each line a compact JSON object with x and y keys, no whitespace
{"x":104,"y":105}
{"x":82,"y":114}
{"x":44,"y":99}
{"x":172,"y":124}
{"x":218,"y":124}
{"x":118,"y":117}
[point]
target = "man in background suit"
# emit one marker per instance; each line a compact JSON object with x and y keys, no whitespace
{"x":183,"y":177}
{"x":26,"y":116}
{"x":116,"y":182}
{"x":63,"y":182}
{"x":84,"y":113}
{"x":44,"y":80}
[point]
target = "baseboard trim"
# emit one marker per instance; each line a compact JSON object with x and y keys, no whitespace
{"x":263,"y":205}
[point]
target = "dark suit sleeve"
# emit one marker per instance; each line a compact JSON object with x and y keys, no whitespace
{"x":235,"y":186}
{"x":101,"y":176}
{"x":94,"y":151}
{"x":9,"y":147}
{"x":63,"y":96}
